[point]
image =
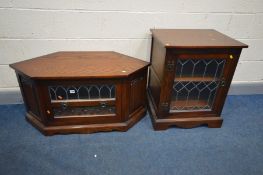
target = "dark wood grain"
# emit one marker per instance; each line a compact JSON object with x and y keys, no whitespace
{"x":157,"y":64}
{"x":72,"y":65}
{"x":195,"y":38}
{"x":154,"y":86}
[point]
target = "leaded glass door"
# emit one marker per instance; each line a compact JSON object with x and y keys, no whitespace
{"x":196,"y":84}
{"x":93,"y":99}
{"x":90,"y":102}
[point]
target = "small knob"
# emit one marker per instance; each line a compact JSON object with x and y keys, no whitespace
{"x":231,"y":57}
{"x":64,"y":106}
{"x":103,"y":104}
{"x":48,"y":112}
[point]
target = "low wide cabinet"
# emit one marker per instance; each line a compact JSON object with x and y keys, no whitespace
{"x":190,"y":75}
{"x":83,"y":92}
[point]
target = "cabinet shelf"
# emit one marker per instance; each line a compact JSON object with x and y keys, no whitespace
{"x":203,"y":79}
{"x":189,"y":105}
{"x":83,"y":100}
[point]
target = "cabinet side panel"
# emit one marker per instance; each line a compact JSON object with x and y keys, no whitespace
{"x":154,"y":87}
{"x":158,"y":58}
{"x":138,"y":92}
{"x":29,"y":95}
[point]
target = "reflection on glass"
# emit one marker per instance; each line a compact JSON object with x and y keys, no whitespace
{"x":82,"y":92}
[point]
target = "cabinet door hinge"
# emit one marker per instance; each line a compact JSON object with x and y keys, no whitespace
{"x":165,"y":106}
{"x":223,"y":82}
{"x":170,"y":65}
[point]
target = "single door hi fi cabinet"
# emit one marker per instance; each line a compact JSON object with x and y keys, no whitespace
{"x":83,"y":92}
{"x":190,"y":75}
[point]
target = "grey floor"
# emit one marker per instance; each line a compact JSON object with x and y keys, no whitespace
{"x":236,"y":148}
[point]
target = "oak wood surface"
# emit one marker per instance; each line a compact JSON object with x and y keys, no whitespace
{"x":72,"y":65}
{"x":195,"y":38}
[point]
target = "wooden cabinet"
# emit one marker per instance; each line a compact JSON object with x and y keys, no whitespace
{"x":83,"y":92}
{"x":190,"y":76}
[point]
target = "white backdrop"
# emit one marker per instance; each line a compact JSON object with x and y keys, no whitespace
{"x":30,"y":28}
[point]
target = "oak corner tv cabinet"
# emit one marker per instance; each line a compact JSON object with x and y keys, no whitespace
{"x":83,"y":92}
{"x":191,"y":72}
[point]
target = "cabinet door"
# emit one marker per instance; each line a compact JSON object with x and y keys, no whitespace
{"x":200,"y":83}
{"x":85,"y":102}
{"x":196,"y":84}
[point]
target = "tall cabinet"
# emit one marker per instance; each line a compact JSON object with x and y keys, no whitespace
{"x":191,"y":72}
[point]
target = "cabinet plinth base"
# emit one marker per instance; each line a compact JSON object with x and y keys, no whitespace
{"x":84,"y":129}
{"x":163,"y":124}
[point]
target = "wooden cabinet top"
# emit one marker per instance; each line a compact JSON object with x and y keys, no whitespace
{"x":100,"y":64}
{"x":195,"y":38}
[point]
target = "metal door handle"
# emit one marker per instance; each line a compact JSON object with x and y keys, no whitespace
{"x":64,"y":105}
{"x":103,"y":104}
{"x":222,"y":83}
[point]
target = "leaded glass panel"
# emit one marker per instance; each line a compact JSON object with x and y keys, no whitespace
{"x":82,"y":92}
{"x":195,"y":84}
